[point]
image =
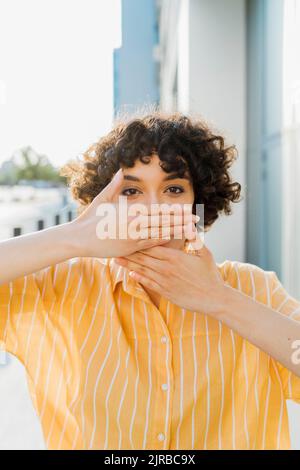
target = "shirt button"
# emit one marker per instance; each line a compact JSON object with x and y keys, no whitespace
{"x":163,"y":339}
{"x":161,"y":436}
{"x":164,"y":386}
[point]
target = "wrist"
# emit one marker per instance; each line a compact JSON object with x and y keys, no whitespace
{"x":221,"y":301}
{"x":69,"y":240}
{"x":229,"y":301}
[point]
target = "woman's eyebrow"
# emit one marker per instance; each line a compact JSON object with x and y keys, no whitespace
{"x":172,"y":176}
{"x":131,"y":178}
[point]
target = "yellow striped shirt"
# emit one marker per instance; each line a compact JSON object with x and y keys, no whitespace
{"x":106,"y":369}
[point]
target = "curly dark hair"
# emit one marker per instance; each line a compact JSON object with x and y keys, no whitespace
{"x":181,"y":143}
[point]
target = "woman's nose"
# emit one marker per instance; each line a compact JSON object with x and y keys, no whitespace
{"x":154,"y":199}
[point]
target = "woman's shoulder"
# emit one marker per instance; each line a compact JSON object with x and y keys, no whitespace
{"x":262,"y":285}
{"x":84,"y":267}
{"x":63,"y":278}
{"x":247,"y":277}
{"x":78,"y":265}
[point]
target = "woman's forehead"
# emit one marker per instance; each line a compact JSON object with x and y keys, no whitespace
{"x":141,"y":170}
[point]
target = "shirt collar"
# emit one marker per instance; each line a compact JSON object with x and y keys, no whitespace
{"x":118,"y":273}
{"x":131,"y":286}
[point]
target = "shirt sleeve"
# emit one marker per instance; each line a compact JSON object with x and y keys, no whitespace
{"x":25,"y":301}
{"x":283,"y":302}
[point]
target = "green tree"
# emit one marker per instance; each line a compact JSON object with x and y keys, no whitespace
{"x":27,"y":164}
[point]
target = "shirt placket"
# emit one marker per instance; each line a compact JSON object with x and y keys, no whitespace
{"x":165,"y":378}
{"x":160,"y":433}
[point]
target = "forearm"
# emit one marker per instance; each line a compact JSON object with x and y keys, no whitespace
{"x":269,"y":330}
{"x":28,"y":253}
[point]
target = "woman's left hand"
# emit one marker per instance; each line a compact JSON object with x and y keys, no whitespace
{"x":190,"y":281}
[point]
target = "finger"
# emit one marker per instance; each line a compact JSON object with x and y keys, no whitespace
{"x":161,"y":252}
{"x":144,"y":244}
{"x":178,"y":232}
{"x":142,"y":269}
{"x":139,"y":267}
{"x":139,"y":259}
{"x":154,"y":210}
{"x":147,"y":218}
{"x":113,"y":187}
{"x":165,"y":220}
{"x":147,"y":282}
{"x":198,"y":242}
{"x":176,"y":209}
{"x":190,"y":232}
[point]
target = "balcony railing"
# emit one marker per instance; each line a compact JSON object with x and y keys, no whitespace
{"x":25,"y":210}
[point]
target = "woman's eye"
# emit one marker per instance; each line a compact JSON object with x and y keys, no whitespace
{"x":132,"y":191}
{"x":176,"y":189}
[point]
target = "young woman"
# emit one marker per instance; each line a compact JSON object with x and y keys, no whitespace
{"x":139,"y":343}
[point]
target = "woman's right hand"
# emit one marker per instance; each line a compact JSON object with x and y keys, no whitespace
{"x":93,"y":242}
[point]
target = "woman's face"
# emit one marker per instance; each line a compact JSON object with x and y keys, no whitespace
{"x":149,"y":184}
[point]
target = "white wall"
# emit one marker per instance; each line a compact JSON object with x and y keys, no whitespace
{"x":217,"y":91}
{"x":20,"y":428}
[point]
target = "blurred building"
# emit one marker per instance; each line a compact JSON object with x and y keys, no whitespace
{"x":135,"y":67}
{"x":28,"y":208}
